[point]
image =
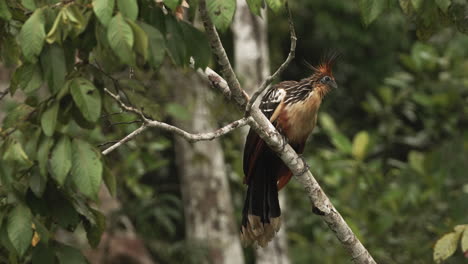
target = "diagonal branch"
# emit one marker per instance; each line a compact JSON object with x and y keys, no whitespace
{"x":3,"y":94}
{"x":192,"y":137}
{"x":275,"y":141}
{"x":283,"y":66}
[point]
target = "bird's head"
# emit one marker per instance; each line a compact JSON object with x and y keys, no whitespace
{"x":322,"y":75}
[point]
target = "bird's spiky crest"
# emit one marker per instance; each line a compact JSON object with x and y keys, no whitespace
{"x":326,"y":63}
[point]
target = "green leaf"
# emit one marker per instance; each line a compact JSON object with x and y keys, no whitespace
{"x":15,"y":152}
{"x":255,"y":6}
{"x":4,"y":11}
{"x":63,"y":212}
{"x":177,"y":111}
{"x":20,"y":228}
{"x":405,"y":6}
{"x":327,"y":122}
{"x":446,"y":246}
{"x":443,"y":4}
{"x":341,"y":142}
{"x":172,"y":4}
{"x":42,"y":254}
{"x":360,"y":145}
{"x":49,"y":119}
{"x":37,"y":183}
{"x":275,"y":5}
{"x":199,"y":47}
{"x":18,"y":114}
{"x":371,"y":9}
{"x":10,"y":52}
{"x":75,"y":18}
{"x":56,"y":33}
{"x":29,"y":4}
{"x":128,"y":8}
{"x":175,"y":41}
{"x":70,"y":255}
{"x":94,"y":231}
{"x":221,"y":12}
{"x":416,"y":161}
{"x":156,"y":44}
{"x":87,"y":98}
{"x":417,"y":4}
{"x":86,"y":168}
{"x":27,"y":77}
{"x":43,"y":154}
{"x":141,"y":39}
{"x":464,"y":240}
{"x":61,"y":160}
{"x":32,"y":36}
{"x":120,"y":36}
{"x":104,"y":10}
{"x":54,"y":67}
{"x":110,"y":181}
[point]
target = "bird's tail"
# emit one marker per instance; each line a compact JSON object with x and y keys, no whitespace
{"x":261,"y":213}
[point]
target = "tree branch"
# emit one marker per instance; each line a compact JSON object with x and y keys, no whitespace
{"x":283,"y":66}
{"x":3,"y":94}
{"x":192,"y":137}
{"x":125,"y":139}
{"x":226,"y":69}
{"x":275,"y":141}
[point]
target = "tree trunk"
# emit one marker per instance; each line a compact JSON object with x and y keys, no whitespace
{"x":252,"y":66}
{"x":209,"y":214}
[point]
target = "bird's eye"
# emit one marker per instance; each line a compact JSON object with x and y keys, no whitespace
{"x":326,"y":79}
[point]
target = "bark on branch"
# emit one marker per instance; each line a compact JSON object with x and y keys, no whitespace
{"x":268,"y":133}
{"x":192,"y":137}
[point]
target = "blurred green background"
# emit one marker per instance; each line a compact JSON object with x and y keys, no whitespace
{"x":390,"y":149}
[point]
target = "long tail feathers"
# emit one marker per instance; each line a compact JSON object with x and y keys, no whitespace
{"x":261,"y":214}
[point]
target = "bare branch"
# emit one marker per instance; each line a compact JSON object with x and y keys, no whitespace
{"x":192,"y":137}
{"x":3,"y":94}
{"x":275,"y":141}
{"x":200,"y":136}
{"x":126,"y":107}
{"x":283,"y":66}
{"x":125,"y":139}
{"x":216,"y":81}
{"x":125,"y":123}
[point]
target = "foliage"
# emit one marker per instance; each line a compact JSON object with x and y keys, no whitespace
{"x":390,"y":150}
{"x":63,"y":54}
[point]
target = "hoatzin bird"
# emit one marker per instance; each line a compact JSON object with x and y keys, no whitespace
{"x":292,"y":108}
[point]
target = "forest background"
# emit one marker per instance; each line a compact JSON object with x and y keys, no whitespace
{"x":390,"y":149}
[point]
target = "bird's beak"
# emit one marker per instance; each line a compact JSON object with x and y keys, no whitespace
{"x":333,"y":84}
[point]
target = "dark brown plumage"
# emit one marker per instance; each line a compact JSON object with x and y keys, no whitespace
{"x":292,"y":108}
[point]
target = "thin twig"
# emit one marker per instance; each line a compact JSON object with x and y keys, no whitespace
{"x":147,"y":122}
{"x":126,"y":107}
{"x":125,"y":123}
{"x":107,"y":143}
{"x":125,"y":139}
{"x":201,"y":136}
{"x":3,"y":94}
{"x":283,"y":66}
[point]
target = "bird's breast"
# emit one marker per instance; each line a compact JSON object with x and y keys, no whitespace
{"x":298,"y":120}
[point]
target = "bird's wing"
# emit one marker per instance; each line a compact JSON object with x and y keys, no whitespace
{"x":270,"y":106}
